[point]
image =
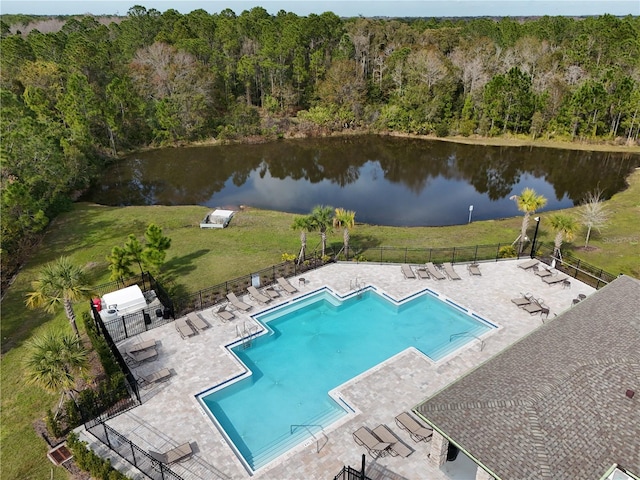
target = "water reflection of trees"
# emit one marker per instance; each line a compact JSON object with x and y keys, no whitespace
{"x":193,"y":175}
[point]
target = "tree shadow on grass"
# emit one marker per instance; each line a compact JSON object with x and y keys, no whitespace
{"x":363,"y":242}
{"x":179,"y":266}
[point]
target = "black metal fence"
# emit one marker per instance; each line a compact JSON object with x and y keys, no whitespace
{"x":349,"y":473}
{"x":132,"y":453}
{"x":576,"y":268}
{"x":210,"y":296}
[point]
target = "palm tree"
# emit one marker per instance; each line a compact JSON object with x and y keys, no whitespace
{"x":59,"y":283}
{"x":304,"y":225}
{"x":528,"y":202}
{"x":565,"y":227}
{"x":344,"y":219}
{"x":54,"y":360}
{"x":321,"y":219}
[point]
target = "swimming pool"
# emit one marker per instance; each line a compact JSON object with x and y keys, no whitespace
{"x":314,"y":345}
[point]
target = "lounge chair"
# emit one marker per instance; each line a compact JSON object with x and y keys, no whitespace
{"x":407,"y":272}
{"x":543,"y":272}
{"x":196,"y":321}
{"x":525,"y":299}
{"x":474,"y":269}
{"x":553,"y":279}
{"x":286,"y":286}
{"x":184,"y":329}
{"x":235,"y":301}
{"x":418,"y":432}
{"x":397,"y":447}
{"x":534,"y":307}
{"x":434,"y":272}
{"x":422,"y":273}
{"x":529,"y":264}
{"x":257,"y":296}
{"x":177,"y":454}
{"x":224,"y":314}
{"x":373,"y":444}
{"x":271,"y":292}
{"x":142,"y":356}
{"x":448,"y":268}
{"x":139,"y":347}
{"x":146,"y":381}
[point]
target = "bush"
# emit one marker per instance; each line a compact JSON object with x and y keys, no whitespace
{"x":508,"y":251}
{"x":53,"y":425}
{"x":90,"y":462}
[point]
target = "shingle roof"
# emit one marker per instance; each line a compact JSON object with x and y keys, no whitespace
{"x":553,"y":405}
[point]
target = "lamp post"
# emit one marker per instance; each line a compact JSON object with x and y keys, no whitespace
{"x":470,"y":210}
{"x":535,"y":235}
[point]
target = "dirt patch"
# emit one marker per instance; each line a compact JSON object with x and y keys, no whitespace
{"x":587,"y":249}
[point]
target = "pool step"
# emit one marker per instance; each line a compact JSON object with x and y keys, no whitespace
{"x":287,"y":441}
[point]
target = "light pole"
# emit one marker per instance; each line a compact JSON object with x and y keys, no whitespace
{"x":470,"y":210}
{"x":535,"y":235}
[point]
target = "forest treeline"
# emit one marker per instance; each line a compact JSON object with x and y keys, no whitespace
{"x":78,"y":91}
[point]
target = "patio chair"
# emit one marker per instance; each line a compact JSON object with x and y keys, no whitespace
{"x":529,"y":264}
{"x":197,"y":322}
{"x":474,"y":269}
{"x":224,"y":314}
{"x":422,"y":273}
{"x":434,"y":272}
{"x":184,"y":329}
{"x":418,"y":432}
{"x":177,"y":454}
{"x":271,"y":292}
{"x":554,"y":279}
{"x":256,"y":295}
{"x":142,"y":356}
{"x":534,"y":307}
{"x":373,"y":444}
{"x":139,"y":347}
{"x":525,"y":299}
{"x":398,"y":447}
{"x":286,"y":286}
{"x":448,"y":268}
{"x":235,"y":301}
{"x":407,"y":272}
{"x":147,"y":381}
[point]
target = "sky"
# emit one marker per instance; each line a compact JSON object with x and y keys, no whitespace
{"x":366,"y":8}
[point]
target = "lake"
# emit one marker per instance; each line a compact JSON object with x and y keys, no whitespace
{"x":385,"y":180}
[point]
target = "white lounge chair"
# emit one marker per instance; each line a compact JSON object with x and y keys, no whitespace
{"x":257,"y":296}
{"x":196,"y":321}
{"x":177,"y":454}
{"x":235,"y":301}
{"x":286,"y":286}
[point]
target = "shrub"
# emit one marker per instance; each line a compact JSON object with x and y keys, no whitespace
{"x":53,"y":425}
{"x":90,"y":462}
{"x":288,"y":257}
{"x":508,"y":251}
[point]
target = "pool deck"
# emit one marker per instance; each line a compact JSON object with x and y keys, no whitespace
{"x":170,"y":414}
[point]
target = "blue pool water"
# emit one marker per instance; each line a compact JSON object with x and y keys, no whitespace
{"x":315,"y":345}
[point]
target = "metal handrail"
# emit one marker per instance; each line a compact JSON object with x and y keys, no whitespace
{"x":467,"y":334}
{"x":306,"y":427}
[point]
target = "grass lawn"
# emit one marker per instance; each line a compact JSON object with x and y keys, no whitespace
{"x":200,"y":258}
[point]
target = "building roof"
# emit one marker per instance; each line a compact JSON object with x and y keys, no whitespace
{"x":554,"y":404}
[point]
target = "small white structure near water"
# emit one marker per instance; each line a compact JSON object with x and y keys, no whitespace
{"x":217,"y":219}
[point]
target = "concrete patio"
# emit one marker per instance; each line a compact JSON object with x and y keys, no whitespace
{"x":170,"y":414}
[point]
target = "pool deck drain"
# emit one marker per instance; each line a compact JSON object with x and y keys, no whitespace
{"x":171,"y":415}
